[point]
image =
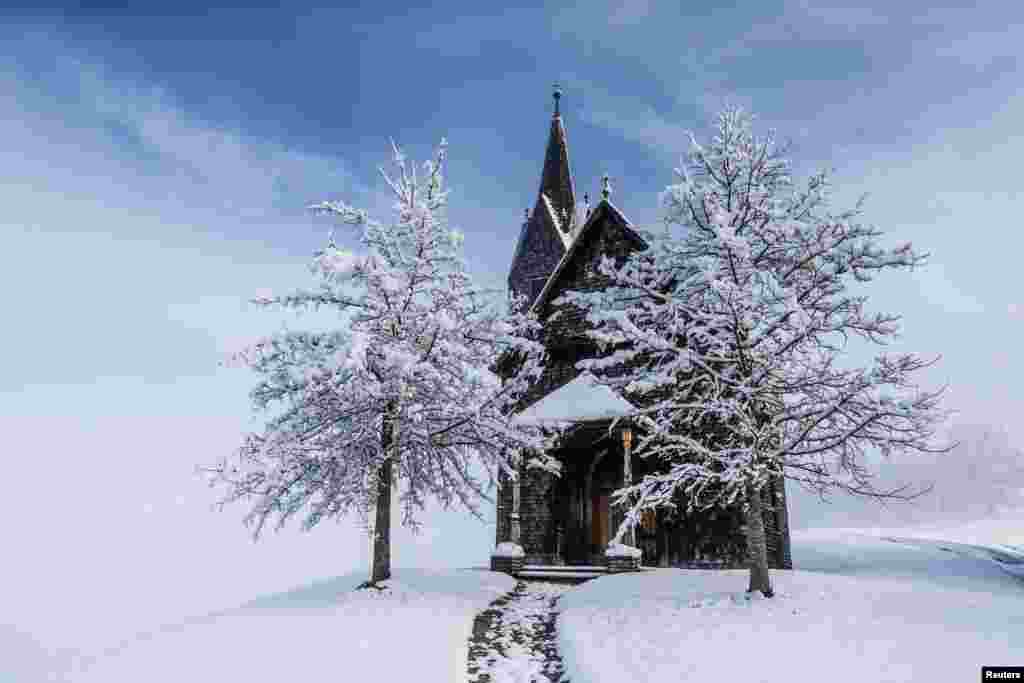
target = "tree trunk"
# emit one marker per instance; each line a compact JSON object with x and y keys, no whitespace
{"x":782,"y":511}
{"x":661,"y":530}
{"x":757,"y":549}
{"x":380,"y":570}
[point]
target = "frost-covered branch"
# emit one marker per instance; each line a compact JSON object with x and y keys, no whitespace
{"x":731,"y":335}
{"x":406,"y":379}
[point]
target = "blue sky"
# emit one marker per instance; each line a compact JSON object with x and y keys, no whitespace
{"x":155,"y":168}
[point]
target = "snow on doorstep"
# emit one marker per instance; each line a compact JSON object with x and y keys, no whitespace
{"x":580,"y":400}
{"x":415,"y":630}
{"x":622,"y":550}
{"x":859,"y":609}
{"x":507,"y":549}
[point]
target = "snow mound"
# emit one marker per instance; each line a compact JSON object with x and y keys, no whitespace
{"x":507,"y":549}
{"x":622,"y":550}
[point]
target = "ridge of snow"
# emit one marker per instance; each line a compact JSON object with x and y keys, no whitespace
{"x":566,"y":235}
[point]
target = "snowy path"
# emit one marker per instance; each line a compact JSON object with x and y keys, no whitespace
{"x":514,"y":639}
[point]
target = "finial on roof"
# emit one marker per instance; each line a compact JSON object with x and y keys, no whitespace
{"x":557,"y":95}
{"x":606,"y":187}
{"x":526,"y":214}
{"x":586,"y":204}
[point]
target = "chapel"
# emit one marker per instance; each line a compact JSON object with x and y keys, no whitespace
{"x":567,"y":520}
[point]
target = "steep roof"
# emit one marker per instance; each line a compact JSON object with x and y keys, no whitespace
{"x":604,"y":209}
{"x":556,"y":188}
{"x":550,"y":228}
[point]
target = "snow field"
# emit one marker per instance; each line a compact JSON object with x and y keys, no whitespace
{"x":860,"y":608}
{"x":416,"y":630}
{"x":863,"y":609}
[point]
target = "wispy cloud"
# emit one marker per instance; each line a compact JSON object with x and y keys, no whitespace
{"x":226,"y":167}
{"x":629,"y":11}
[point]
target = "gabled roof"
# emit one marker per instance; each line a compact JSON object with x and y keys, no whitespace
{"x":604,"y":208}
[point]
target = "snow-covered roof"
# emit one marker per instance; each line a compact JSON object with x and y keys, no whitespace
{"x":581,"y":400}
{"x":574,"y":241}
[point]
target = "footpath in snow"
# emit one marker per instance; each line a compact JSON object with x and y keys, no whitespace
{"x":514,"y":639}
{"x":885,"y":605}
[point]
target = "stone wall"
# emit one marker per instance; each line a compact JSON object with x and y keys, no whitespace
{"x":621,"y":564}
{"x":503,"y":510}
{"x":507,"y":565}
{"x":536,"y":516}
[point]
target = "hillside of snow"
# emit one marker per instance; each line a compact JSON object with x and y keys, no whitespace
{"x":864,"y":604}
{"x":860,"y":608}
{"x":415,"y":630}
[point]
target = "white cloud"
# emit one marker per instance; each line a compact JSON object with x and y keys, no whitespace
{"x":111,"y":133}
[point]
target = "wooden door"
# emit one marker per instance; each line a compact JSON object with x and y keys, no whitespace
{"x":599,"y":522}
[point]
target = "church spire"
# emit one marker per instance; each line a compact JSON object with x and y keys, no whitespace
{"x":556,"y":178}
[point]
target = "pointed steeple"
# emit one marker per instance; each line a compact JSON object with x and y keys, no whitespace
{"x":556,"y":177}
{"x":548,"y":230}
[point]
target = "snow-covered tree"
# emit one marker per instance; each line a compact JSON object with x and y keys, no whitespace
{"x":730,"y":330}
{"x":403,"y":386}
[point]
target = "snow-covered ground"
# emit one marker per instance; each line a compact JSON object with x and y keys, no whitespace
{"x":519,"y":643}
{"x":417,"y":630}
{"x":1002,"y":530}
{"x":860,"y":607}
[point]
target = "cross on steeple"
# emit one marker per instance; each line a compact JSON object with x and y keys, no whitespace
{"x":557,"y":95}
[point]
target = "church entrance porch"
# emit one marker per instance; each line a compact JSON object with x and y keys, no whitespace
{"x":569,"y":520}
{"x":584,"y":508}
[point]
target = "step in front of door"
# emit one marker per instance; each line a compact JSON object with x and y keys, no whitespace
{"x":537,"y":574}
{"x":565,"y":568}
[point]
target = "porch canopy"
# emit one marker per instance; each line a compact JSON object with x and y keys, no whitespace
{"x":582,"y":400}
